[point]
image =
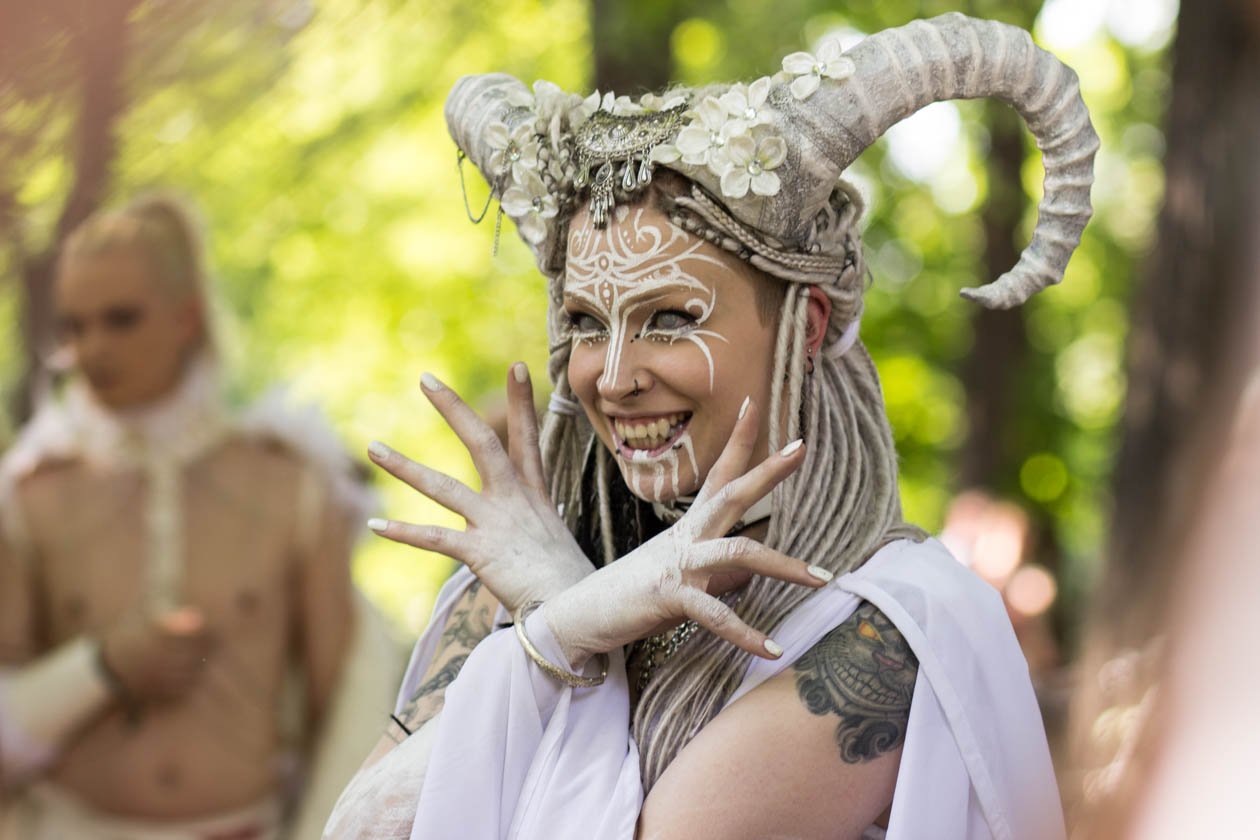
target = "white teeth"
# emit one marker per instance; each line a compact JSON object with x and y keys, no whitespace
{"x":647,"y":435}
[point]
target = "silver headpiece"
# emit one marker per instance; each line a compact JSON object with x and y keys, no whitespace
{"x":769,"y":154}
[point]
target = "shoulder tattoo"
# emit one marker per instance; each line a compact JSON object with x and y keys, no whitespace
{"x":862,"y":672}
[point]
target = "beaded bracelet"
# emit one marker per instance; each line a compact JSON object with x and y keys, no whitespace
{"x":562,"y":674}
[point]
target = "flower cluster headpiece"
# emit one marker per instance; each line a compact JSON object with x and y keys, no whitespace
{"x":770,"y":153}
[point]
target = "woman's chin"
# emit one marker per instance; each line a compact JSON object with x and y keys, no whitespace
{"x":653,"y":484}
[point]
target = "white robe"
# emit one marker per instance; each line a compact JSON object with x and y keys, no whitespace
{"x":515,"y":754}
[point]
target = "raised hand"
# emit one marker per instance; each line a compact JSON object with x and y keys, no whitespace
{"x":669,"y":579}
{"x":514,"y":542}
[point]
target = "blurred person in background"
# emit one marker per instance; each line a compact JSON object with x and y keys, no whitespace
{"x":176,"y":611}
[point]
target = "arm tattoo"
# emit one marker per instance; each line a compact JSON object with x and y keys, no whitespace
{"x":427,"y":700}
{"x":469,"y":623}
{"x":863,"y":672}
{"x":444,"y":677}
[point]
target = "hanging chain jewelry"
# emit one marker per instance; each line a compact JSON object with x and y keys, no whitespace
{"x":476,"y":220}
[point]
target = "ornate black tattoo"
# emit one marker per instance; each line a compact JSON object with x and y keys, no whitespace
{"x":469,"y":624}
{"x":863,"y":672}
{"x":427,"y":700}
{"x":444,"y":676}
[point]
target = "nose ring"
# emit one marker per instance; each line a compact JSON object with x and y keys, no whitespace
{"x":635,"y":392}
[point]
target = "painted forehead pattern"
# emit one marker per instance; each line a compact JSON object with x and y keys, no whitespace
{"x":638,"y":258}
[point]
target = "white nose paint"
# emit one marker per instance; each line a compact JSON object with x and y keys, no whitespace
{"x":618,"y":272}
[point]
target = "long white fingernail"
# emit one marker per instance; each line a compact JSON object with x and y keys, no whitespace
{"x":520,"y":373}
{"x":820,"y":573}
{"x":743,"y":409}
{"x":791,"y":447}
{"x":430,"y":382}
{"x":377,"y":525}
{"x":378,"y":450}
{"x":774,"y":648}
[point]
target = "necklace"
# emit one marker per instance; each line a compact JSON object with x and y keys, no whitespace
{"x":655,"y":651}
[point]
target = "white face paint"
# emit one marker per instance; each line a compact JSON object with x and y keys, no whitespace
{"x":617,"y":276}
{"x":619,"y":270}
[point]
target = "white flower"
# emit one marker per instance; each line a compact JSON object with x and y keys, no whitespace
{"x":664,"y":153}
{"x":809,"y":71}
{"x":516,"y":151}
{"x":747,"y":104}
{"x":518,"y":98}
{"x":653,"y":102}
{"x":751,"y":163}
{"x":703,"y":141}
{"x":581,"y":111}
{"x":530,"y":206}
{"x":550,"y":97}
{"x":624,"y":106}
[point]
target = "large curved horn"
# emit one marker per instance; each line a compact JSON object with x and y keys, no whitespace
{"x":899,"y":71}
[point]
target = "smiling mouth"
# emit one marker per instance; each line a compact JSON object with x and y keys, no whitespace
{"x":638,"y":438}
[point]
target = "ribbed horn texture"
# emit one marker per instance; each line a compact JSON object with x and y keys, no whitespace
{"x":472,"y":106}
{"x":954,"y":56}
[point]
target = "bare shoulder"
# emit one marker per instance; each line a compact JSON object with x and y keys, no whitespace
{"x":814,"y":751}
{"x":861,"y":675}
{"x":49,"y":480}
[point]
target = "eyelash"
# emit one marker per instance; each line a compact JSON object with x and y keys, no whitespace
{"x":651,"y":330}
{"x":654,"y":331}
{"x":575,"y":320}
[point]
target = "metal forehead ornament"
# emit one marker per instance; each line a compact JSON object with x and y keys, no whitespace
{"x":767,"y":157}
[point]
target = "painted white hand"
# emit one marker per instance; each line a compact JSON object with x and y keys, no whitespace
{"x":666,"y":580}
{"x":515,"y":541}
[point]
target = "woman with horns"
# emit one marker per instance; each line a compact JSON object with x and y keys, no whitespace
{"x":697,"y":611}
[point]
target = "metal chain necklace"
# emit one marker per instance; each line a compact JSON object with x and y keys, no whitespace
{"x":655,"y":651}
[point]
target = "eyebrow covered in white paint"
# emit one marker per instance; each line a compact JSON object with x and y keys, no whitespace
{"x":620,"y":269}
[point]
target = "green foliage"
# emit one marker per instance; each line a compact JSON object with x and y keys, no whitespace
{"x":924,"y":241}
{"x":347,"y":266}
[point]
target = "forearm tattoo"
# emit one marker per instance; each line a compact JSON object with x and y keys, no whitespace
{"x":468,"y":625}
{"x":427,"y":699}
{"x":862,"y":672}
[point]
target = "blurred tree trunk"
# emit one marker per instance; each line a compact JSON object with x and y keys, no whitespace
{"x":987,"y":459}
{"x":990,"y":456}
{"x":98,"y":45}
{"x":1192,"y":339}
{"x":632,"y":45}
{"x":1190,"y":308}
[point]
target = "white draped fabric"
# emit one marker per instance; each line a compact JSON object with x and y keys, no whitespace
{"x":515,"y":754}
